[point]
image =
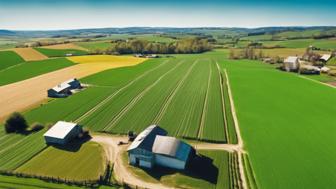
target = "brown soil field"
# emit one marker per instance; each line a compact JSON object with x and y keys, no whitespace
{"x":65,"y":46}
{"x":24,"y":95}
{"x":30,"y":54}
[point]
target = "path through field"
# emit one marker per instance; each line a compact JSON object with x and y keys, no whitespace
{"x":24,"y":94}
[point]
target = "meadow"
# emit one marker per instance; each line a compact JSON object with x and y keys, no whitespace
{"x":77,"y":161}
{"x":31,"y":69}
{"x":8,"y":59}
{"x":323,"y":44}
{"x":287,"y":123}
{"x":60,"y":52}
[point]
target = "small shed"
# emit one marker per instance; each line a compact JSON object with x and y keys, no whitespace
{"x":62,"y":132}
{"x":291,"y":63}
{"x":140,"y":151}
{"x":171,"y":152}
{"x":325,"y":58}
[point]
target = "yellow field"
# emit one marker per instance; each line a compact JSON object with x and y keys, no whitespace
{"x":108,"y":59}
{"x":30,"y":54}
{"x":65,"y":46}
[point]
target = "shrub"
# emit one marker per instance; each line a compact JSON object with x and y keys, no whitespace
{"x":16,"y":123}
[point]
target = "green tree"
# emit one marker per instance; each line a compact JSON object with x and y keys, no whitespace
{"x":16,"y":123}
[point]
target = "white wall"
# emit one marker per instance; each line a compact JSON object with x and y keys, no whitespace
{"x":169,"y":162}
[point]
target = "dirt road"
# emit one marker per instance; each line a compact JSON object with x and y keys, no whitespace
{"x":23,"y":95}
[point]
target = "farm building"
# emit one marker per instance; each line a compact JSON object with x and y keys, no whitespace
{"x":291,"y":63}
{"x":64,"y":89}
{"x":325,"y":58}
{"x":62,"y":132}
{"x":151,"y":147}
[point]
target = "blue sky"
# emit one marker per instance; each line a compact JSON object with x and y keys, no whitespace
{"x":71,"y":14}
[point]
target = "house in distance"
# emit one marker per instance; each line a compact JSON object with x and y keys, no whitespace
{"x":153,"y":148}
{"x":62,"y":132}
{"x":64,"y":89}
{"x":291,"y":63}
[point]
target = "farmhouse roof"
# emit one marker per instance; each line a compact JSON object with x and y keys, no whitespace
{"x":326,"y":57}
{"x":61,"y":87}
{"x":146,"y":138}
{"x":171,"y":146}
{"x":291,"y":59}
{"x":60,"y":130}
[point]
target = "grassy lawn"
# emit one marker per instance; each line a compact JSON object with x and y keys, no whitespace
{"x":31,"y":69}
{"x":8,"y":59}
{"x":60,"y":52}
{"x":76,"y":161}
{"x":216,"y":164}
{"x":288,"y":125}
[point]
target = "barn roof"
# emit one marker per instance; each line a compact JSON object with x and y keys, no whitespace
{"x":61,"y":87}
{"x":291,"y":59}
{"x":146,"y":138}
{"x":60,"y":130}
{"x":171,"y":146}
{"x":326,"y":57}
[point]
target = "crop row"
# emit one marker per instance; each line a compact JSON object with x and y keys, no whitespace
{"x":235,"y":180}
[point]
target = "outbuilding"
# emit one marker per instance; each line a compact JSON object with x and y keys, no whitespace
{"x":291,"y":63}
{"x":153,"y":148}
{"x":62,"y":132}
{"x":325,"y":58}
{"x":64,"y":89}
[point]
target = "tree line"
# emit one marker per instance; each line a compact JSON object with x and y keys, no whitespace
{"x":183,"y":46}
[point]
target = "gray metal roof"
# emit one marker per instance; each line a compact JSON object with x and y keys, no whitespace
{"x":171,"y":146}
{"x":146,"y":138}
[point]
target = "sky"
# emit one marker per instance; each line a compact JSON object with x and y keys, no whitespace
{"x":76,"y":14}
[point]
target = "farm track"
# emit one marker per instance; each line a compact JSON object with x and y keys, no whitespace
{"x":172,"y":95}
{"x":126,"y":108}
{"x":107,"y":99}
{"x":205,"y":106}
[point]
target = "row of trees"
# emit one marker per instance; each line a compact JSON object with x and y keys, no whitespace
{"x":192,"y":45}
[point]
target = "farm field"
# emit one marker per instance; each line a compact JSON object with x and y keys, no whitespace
{"x":274,"y":109}
{"x":31,"y":69}
{"x":30,"y":54}
{"x":94,"y":45}
{"x":8,"y":59}
{"x":324,"y":44}
{"x":60,"y":52}
{"x":75,"y":162}
{"x":218,"y":175}
{"x":33,"y":90}
{"x":30,"y":183}
{"x":65,"y":46}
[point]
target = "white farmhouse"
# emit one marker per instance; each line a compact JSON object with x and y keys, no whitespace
{"x":62,"y":132}
{"x":291,"y":63}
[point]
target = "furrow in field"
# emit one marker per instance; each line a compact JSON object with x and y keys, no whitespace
{"x":172,"y":95}
{"x":205,"y":107}
{"x":137,"y":98}
{"x":105,"y":101}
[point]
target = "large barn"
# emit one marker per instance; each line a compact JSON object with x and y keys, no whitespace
{"x":62,"y":132}
{"x":64,"y":89}
{"x":291,"y":63}
{"x":151,"y":147}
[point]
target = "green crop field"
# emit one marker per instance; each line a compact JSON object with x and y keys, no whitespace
{"x":31,"y":69}
{"x":75,"y":162}
{"x":287,"y":123}
{"x":30,"y":183}
{"x":8,"y":59}
{"x":168,"y":89}
{"x":324,"y":44}
{"x":60,"y":52}
{"x":16,"y":149}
